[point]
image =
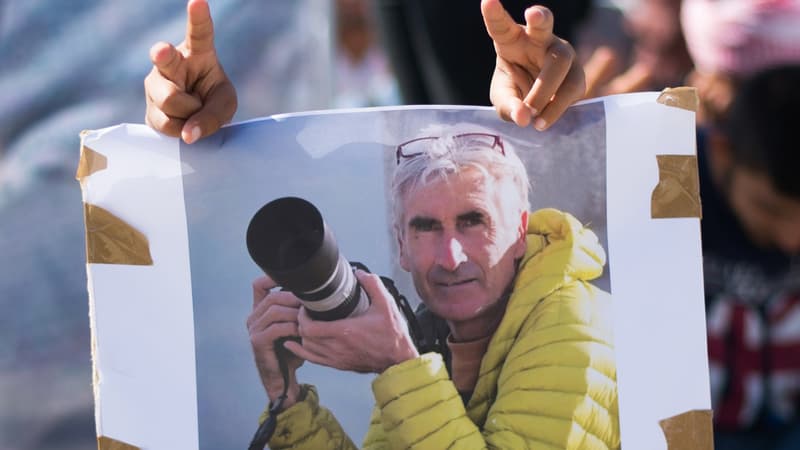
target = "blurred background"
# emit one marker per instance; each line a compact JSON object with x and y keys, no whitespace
{"x":70,"y":66}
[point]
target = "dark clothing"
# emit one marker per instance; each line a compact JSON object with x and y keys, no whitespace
{"x":753,"y":312}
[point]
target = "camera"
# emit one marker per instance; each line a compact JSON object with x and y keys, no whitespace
{"x":288,"y":239}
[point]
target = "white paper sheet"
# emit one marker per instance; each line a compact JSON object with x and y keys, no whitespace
{"x":172,"y":356}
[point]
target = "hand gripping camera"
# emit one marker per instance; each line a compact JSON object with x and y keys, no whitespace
{"x":291,"y":243}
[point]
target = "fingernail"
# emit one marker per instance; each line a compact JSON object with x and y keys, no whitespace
{"x":540,"y":124}
{"x":193,"y":135}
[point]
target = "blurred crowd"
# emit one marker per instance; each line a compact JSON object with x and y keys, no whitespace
{"x":69,"y":66}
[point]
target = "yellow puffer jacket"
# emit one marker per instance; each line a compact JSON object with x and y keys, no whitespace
{"x":547,"y":381}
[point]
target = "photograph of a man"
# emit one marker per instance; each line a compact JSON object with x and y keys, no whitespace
{"x":526,"y":359}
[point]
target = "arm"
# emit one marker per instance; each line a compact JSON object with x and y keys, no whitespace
{"x":187,"y":92}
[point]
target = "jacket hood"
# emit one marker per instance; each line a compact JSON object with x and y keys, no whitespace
{"x":560,"y":252}
{"x":559,"y":247}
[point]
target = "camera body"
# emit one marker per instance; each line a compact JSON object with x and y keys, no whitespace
{"x":288,"y":239}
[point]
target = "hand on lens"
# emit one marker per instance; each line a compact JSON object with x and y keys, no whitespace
{"x":536,"y":76}
{"x":187,"y":92}
{"x":274,"y":316}
{"x":367,"y":343}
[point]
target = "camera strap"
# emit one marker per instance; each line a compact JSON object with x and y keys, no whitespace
{"x":267,"y":428}
{"x":414,"y":329}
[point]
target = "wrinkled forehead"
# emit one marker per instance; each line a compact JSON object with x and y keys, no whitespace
{"x":492,"y":193}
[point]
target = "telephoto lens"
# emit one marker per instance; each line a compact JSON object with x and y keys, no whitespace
{"x":291,"y":243}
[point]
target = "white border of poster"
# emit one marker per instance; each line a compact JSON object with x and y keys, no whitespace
{"x":143,"y":317}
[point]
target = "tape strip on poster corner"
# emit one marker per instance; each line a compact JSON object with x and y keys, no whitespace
{"x":677,"y":193}
{"x":692,"y":430}
{"x":90,"y":161}
{"x":106,"y":443}
{"x":111,"y":240}
{"x":683,"y":97}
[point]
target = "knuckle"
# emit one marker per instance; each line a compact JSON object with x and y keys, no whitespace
{"x":369,"y":279}
{"x":272,"y":308}
{"x":148,"y":80}
{"x":283,"y":297}
{"x":562,"y":52}
{"x":270,"y":334}
{"x":171,"y":99}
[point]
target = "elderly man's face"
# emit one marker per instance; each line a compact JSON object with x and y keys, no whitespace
{"x":460,"y":241}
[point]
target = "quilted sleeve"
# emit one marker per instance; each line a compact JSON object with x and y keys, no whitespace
{"x":307,"y":425}
{"x":420,"y":408}
{"x":375,"y":438}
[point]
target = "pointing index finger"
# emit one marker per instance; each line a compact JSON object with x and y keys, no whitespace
{"x":499,"y":24}
{"x":199,"y":27}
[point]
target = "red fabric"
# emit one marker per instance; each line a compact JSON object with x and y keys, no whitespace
{"x":752,"y":352}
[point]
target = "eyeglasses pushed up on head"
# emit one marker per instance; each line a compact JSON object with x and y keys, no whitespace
{"x":418,"y":146}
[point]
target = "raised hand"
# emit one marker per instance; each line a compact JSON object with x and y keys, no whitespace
{"x":536,"y":76}
{"x":187,"y":92}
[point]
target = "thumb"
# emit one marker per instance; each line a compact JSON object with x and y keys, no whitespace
{"x":218,"y":109}
{"x":167,"y":60}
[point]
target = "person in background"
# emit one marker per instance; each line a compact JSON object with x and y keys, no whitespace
{"x":732,"y":40}
{"x":658,"y":57}
{"x":747,"y":70}
{"x":750,"y":191}
{"x":362,"y":76}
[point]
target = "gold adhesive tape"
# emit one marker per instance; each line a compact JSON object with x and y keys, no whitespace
{"x":680,"y":97}
{"x":692,"y":430}
{"x":90,"y":162}
{"x":110,"y":240}
{"x":106,"y":443}
{"x":677,"y":193}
